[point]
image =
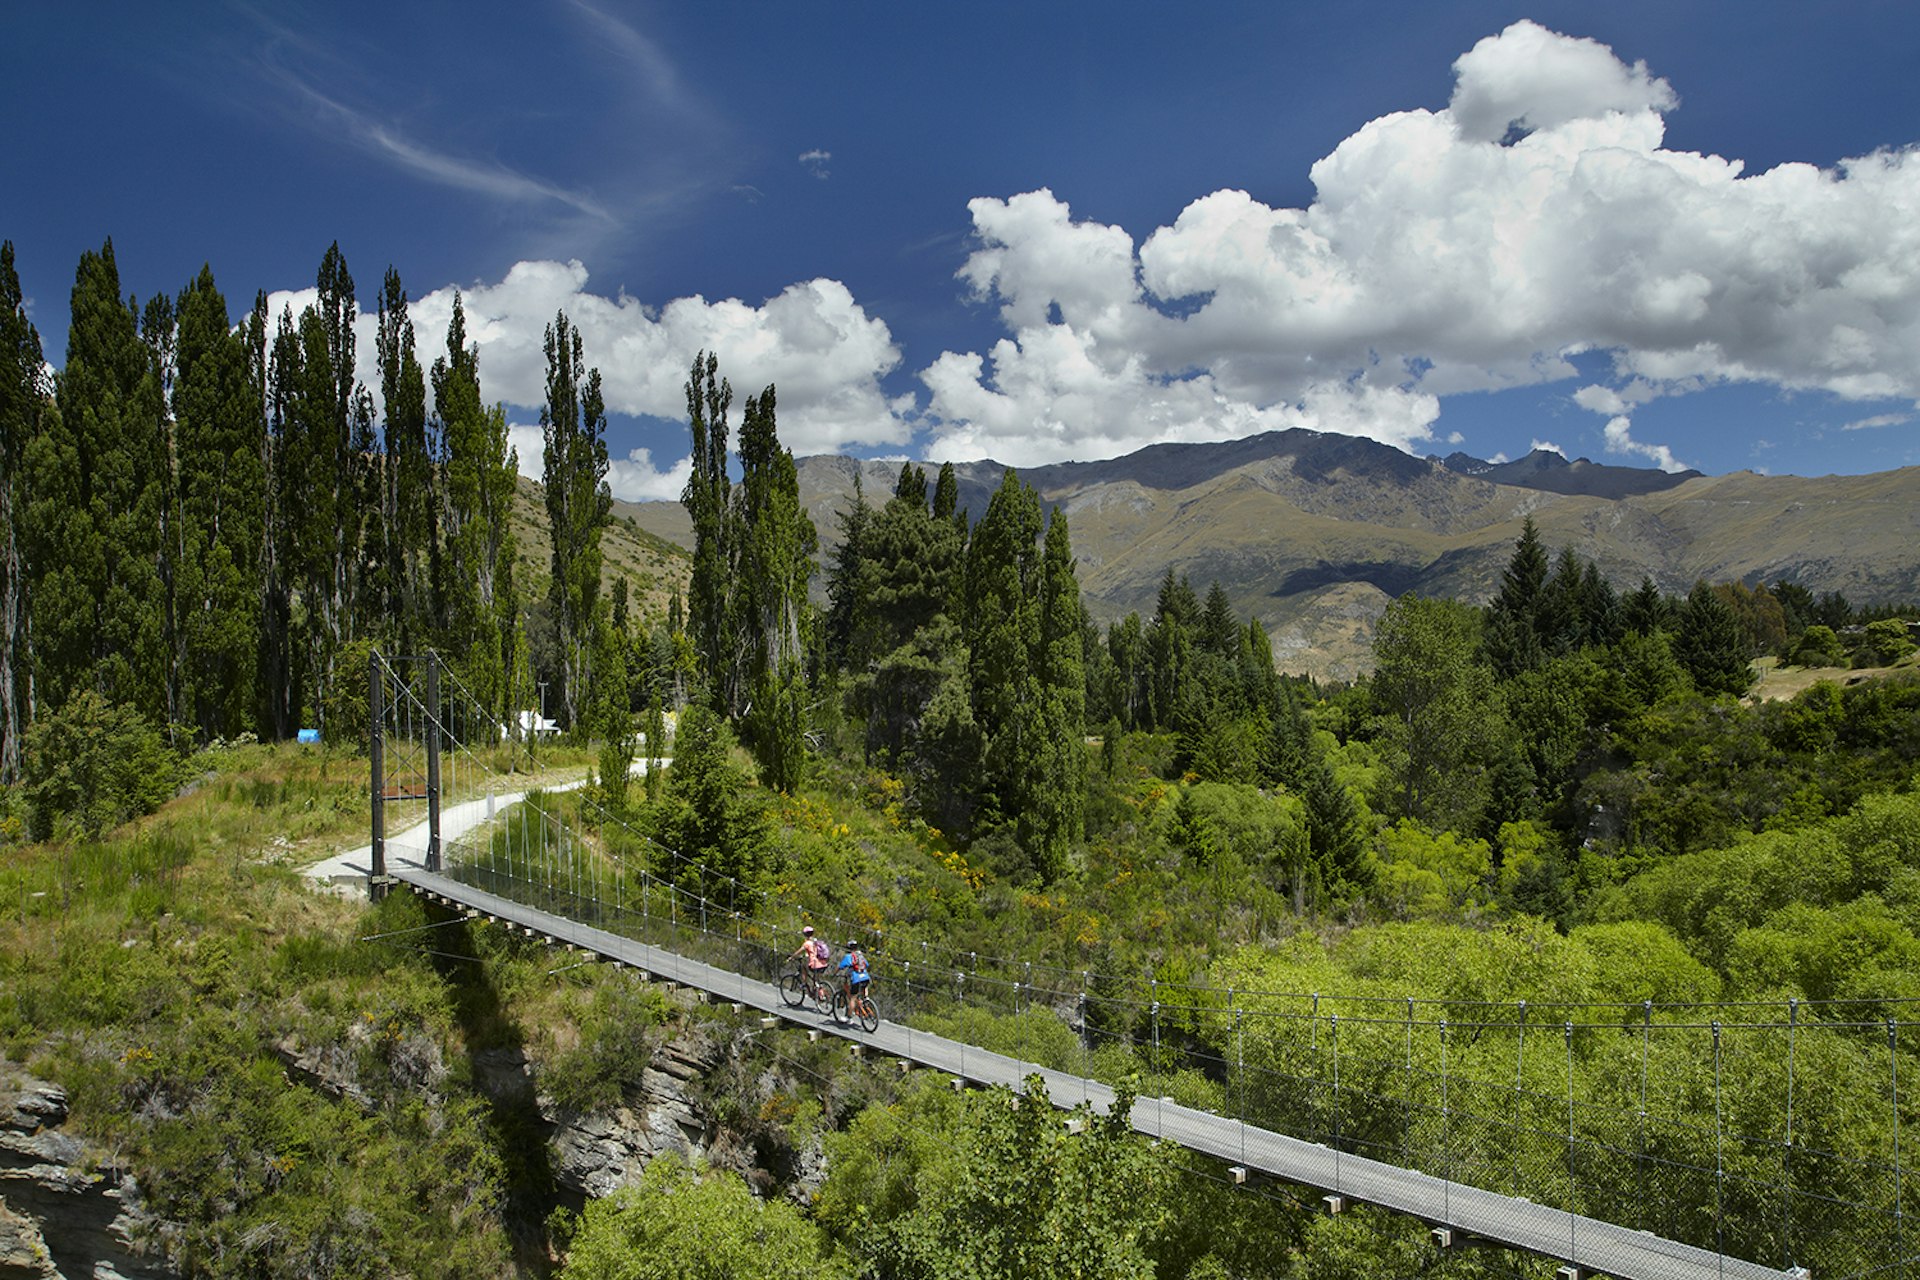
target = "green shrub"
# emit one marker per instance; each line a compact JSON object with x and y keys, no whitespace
{"x":92,"y":766}
{"x":1882,"y":644}
{"x":1818,"y":646}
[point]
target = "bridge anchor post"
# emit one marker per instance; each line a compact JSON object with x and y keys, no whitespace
{"x":377,"y":879}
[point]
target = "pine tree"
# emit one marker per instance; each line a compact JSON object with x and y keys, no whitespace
{"x":1708,"y":643}
{"x":913,"y":561}
{"x":573,"y":424}
{"x":848,"y":589}
{"x":1171,"y":702}
{"x":23,"y":401}
{"x":1341,"y":865}
{"x":1513,"y":626}
{"x":1645,"y":610}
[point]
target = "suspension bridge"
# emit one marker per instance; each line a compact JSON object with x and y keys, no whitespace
{"x":1644,"y":1142}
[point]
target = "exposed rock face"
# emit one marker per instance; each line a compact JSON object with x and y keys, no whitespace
{"x":60,"y":1216}
{"x":598,"y":1152}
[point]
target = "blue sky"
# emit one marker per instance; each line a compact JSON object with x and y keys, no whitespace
{"x":1045,"y":231}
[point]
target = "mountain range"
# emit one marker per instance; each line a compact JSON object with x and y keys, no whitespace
{"x":1313,"y":533}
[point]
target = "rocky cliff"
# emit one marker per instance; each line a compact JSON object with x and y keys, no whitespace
{"x":63,"y":1214}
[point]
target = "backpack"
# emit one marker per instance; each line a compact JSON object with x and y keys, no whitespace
{"x":859,"y":962}
{"x":819,"y":951}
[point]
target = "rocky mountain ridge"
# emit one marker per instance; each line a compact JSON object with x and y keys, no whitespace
{"x":1313,"y":533}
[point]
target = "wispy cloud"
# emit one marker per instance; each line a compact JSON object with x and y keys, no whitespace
{"x":815,"y":162}
{"x":658,"y":75}
{"x":425,"y":161}
{"x":1879,"y":420}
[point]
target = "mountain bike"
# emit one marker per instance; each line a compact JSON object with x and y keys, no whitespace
{"x":797,"y":987}
{"x":861,"y":1007}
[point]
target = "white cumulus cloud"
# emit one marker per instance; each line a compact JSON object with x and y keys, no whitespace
{"x":1537,"y":217}
{"x":823,"y":353}
{"x":1618,"y":434}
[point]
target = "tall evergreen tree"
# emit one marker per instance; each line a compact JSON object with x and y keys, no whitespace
{"x":1645,"y":610}
{"x":1708,"y":643}
{"x":848,"y":590}
{"x":1513,"y":640}
{"x":1002,"y":632}
{"x":573,"y":424}
{"x":1170,"y":655}
{"x":23,"y":401}
{"x":1341,"y":865}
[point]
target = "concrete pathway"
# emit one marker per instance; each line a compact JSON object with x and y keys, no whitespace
{"x":346,"y":873}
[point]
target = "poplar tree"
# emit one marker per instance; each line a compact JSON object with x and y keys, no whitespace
{"x":23,"y":399}
{"x":410,"y":574}
{"x":573,"y":425}
{"x":219,"y":432}
{"x":477,"y":600}
{"x":707,"y":497}
{"x":1056,"y":802}
{"x":1026,"y":676}
{"x":1002,"y":632}
{"x":777,"y":545}
{"x":281,"y":644}
{"x":97,"y":473}
{"x":326,"y":492}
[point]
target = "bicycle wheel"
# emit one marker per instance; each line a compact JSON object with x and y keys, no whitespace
{"x":840,"y":1007}
{"x":869,"y":1013}
{"x":793,"y":990}
{"x":822,"y":996}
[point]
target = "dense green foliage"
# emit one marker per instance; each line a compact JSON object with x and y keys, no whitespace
{"x":1558,"y":807}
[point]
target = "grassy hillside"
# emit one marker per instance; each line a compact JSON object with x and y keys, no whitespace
{"x":653,"y":566}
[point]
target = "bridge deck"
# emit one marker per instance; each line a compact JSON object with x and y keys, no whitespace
{"x":1592,"y":1246}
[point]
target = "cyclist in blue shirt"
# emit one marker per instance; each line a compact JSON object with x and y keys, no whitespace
{"x":853,"y":974}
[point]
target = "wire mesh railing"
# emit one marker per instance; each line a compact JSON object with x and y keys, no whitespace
{"x":1765,"y":1131}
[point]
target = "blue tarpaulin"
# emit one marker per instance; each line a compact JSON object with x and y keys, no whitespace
{"x":309,"y":735}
